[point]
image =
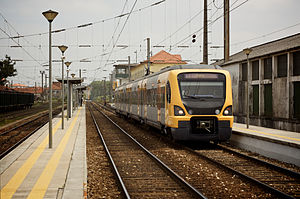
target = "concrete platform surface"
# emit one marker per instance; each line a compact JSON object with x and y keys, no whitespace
{"x":283,"y":136}
{"x":33,"y":170}
{"x":273,"y":143}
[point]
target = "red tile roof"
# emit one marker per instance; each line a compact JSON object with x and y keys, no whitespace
{"x":34,"y":90}
{"x":18,"y":85}
{"x":56,"y":86}
{"x":163,"y":57}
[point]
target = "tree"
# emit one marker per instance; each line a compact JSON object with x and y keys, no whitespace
{"x":6,"y":69}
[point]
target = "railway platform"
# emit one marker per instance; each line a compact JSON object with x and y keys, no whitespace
{"x":33,"y":170}
{"x":277,"y":144}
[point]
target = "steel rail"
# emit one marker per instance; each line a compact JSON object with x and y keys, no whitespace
{"x":162,"y":164}
{"x":266,"y":186}
{"x":109,"y":156}
{"x":268,"y":164}
{"x":23,"y":124}
{"x":3,"y":154}
{"x":253,"y":180}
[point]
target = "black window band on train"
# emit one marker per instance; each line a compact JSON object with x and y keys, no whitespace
{"x":202,"y":92}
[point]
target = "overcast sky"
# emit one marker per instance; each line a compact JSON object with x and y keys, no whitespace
{"x":168,"y":24}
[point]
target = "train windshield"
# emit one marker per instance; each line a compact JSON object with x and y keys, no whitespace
{"x":202,"y":86}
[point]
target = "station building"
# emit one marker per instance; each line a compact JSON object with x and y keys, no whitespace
{"x":158,"y":61}
{"x":274,"y":84}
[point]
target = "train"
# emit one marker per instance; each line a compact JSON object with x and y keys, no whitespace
{"x":186,"y":102}
{"x":13,"y":100}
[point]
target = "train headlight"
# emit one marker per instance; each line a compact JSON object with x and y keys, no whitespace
{"x":227,"y":111}
{"x":178,"y":111}
{"x":217,"y":112}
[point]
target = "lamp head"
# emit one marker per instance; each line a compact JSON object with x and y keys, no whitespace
{"x":68,"y":63}
{"x":63,"y":48}
{"x":50,"y":15}
{"x":247,"y":51}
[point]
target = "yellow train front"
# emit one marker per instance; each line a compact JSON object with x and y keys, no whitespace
{"x":188,"y":102}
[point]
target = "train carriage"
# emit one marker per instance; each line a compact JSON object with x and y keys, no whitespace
{"x":188,"y":102}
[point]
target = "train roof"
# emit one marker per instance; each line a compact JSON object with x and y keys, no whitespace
{"x":190,"y":66}
{"x":175,"y":67}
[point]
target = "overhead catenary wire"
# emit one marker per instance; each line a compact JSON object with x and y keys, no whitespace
{"x":265,"y":35}
{"x":6,"y":21}
{"x":183,"y":41}
{"x":120,"y":33}
{"x":87,"y":24}
{"x":22,"y":48}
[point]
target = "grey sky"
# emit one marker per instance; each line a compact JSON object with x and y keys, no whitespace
{"x":255,"y":20}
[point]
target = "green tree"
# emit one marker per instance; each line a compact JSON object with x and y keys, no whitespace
{"x":6,"y":69}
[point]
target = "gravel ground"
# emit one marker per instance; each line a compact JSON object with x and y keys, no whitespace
{"x":209,"y":179}
{"x":101,"y":179}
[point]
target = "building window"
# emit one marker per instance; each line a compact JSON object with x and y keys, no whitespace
{"x":268,"y":101}
{"x":255,"y":70}
{"x":244,"y":72}
{"x":282,"y":65}
{"x":268,"y":68}
{"x":296,"y":63}
{"x":255,"y":100}
{"x":296,"y":100}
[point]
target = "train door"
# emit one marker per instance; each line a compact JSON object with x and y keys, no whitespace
{"x":168,"y":100}
{"x":142,"y":101}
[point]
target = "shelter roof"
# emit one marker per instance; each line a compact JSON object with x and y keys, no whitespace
{"x":269,"y":48}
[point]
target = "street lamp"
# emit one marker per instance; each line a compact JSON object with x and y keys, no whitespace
{"x":247,"y":51}
{"x":62,"y":48}
{"x":68,"y":94}
{"x":50,"y":15}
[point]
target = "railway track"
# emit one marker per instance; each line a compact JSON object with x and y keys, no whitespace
{"x":8,"y":117}
{"x":14,"y":136}
{"x":280,"y":181}
{"x":141,"y":174}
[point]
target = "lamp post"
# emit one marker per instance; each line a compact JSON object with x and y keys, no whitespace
{"x":247,"y":51}
{"x":50,"y":15}
{"x":62,"y":48}
{"x":68,"y":94}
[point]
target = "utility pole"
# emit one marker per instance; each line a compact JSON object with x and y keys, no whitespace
{"x":205,"y":48}
{"x":104,"y":91}
{"x":129,"y":74}
{"x":46,"y":87}
{"x":226,"y":30}
{"x":148,"y":57}
{"x":135,"y":56}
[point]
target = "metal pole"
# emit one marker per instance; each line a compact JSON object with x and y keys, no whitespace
{"x":50,"y":89}
{"x":226,"y":30}
{"x":247,"y":93}
{"x":68,"y":97}
{"x":129,"y":68}
{"x":104,"y":91}
{"x":148,"y":57}
{"x":46,"y":86}
{"x":205,"y":50}
{"x":62,"y":91}
{"x":42,"y":72}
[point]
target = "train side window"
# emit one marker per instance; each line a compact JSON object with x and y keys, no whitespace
{"x":168,"y":93}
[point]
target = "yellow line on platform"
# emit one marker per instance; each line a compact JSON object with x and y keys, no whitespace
{"x":275,"y":135}
{"x":10,"y":188}
{"x":41,"y":186}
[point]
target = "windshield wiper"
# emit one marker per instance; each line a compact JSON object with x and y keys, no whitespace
{"x":199,"y":96}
